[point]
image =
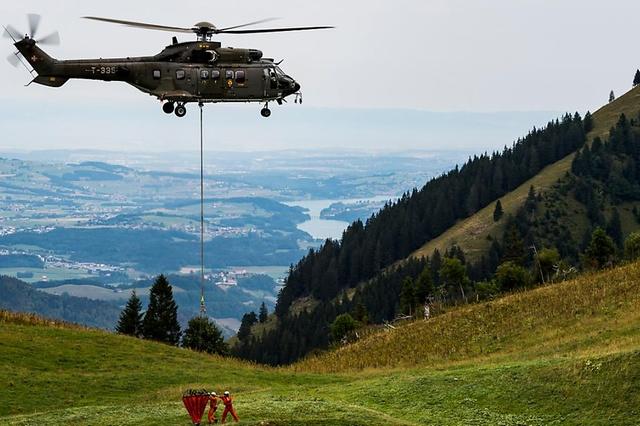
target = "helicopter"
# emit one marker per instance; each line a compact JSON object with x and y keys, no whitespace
{"x":199,"y":71}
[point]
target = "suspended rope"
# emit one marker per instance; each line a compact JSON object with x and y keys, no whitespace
{"x":203,"y":308}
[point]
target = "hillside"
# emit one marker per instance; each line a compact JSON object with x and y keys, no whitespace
{"x":562,"y":354}
{"x":595,"y":315}
{"x":471,"y":233}
{"x":16,"y":295}
{"x":366,"y":250}
{"x":554,"y":199}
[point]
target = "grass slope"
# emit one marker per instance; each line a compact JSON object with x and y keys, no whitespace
{"x":562,"y":354}
{"x":471,"y":233}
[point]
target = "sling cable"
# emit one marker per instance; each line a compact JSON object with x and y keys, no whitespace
{"x":203,"y":308}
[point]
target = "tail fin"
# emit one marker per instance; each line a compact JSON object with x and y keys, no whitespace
{"x":42,"y":63}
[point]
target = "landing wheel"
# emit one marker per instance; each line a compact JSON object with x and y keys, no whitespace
{"x":168,"y":107}
{"x":266,"y":112}
{"x":181,"y":111}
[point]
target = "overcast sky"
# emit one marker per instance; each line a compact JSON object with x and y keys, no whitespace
{"x":426,"y":55}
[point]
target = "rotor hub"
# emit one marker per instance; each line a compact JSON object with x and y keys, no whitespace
{"x":205,"y":25}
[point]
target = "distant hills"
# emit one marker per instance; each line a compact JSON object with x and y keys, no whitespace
{"x":18,"y":296}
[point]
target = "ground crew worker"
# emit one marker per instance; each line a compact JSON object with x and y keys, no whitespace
{"x":213,"y":406}
{"x":228,"y":407}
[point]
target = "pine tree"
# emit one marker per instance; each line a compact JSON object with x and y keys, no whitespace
{"x":203,"y":335}
{"x":263,"y":314}
{"x":130,"y":321}
{"x":423,"y":287}
{"x":530,"y":203}
{"x":407,"y":296}
{"x":614,"y":228}
{"x":360,"y":313}
{"x":498,"y":212}
{"x":612,"y":97}
{"x":513,"y":245}
{"x":248,"y":320}
{"x":600,"y":251}
{"x":161,"y":319}
{"x":587,"y":123}
{"x":636,"y":78}
{"x":632,"y":246}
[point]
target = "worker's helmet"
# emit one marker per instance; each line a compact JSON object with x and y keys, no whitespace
{"x":226,"y":393}
{"x":213,"y":394}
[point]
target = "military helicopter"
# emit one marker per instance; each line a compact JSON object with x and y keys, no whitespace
{"x":199,"y":71}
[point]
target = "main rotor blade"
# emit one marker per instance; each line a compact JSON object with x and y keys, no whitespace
{"x":13,"y":59}
{"x":262,"y":21}
{"x":140,"y":24}
{"x":274,"y":30}
{"x":52,"y":39}
{"x":10,"y":32}
{"x":34,"y":23}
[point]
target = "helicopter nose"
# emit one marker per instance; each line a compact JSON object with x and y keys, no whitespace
{"x":293,"y":87}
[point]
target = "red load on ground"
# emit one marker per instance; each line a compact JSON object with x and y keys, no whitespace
{"x":195,"y":403}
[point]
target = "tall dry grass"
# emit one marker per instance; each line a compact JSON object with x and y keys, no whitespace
{"x":24,"y":318}
{"x":597,"y":310}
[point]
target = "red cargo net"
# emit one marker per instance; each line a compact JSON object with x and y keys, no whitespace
{"x":195,"y":403}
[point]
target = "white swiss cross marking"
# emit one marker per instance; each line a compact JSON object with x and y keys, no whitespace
{"x":34,"y":58}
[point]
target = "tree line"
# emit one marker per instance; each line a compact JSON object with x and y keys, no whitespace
{"x":421,"y":215}
{"x":160,"y":322}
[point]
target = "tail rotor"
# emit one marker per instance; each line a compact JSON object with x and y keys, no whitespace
{"x":34,"y":23}
{"x":33,"y":19}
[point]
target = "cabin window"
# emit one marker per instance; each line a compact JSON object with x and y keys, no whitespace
{"x":240,"y":77}
{"x":156,"y":74}
{"x":229,"y":75}
{"x":180,"y":74}
{"x":204,"y":74}
{"x":215,"y":74}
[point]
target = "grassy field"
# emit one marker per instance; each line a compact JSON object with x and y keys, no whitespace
{"x":563,"y":354}
{"x":471,"y":233}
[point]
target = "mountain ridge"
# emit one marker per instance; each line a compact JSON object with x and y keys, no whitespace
{"x":478,"y":226}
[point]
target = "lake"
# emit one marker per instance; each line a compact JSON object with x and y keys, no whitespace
{"x":324,"y":228}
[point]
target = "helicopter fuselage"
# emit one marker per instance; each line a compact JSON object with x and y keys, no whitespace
{"x":183,"y":72}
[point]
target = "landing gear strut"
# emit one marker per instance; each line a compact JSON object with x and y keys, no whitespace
{"x":266,"y":112}
{"x":181,"y":111}
{"x":168,"y":107}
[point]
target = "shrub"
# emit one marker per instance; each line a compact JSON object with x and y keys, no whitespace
{"x":203,"y":335}
{"x":632,"y":246}
{"x":510,"y":276}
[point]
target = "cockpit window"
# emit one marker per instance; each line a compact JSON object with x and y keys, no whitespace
{"x":204,"y":74}
{"x":240,"y":77}
{"x":279,"y":71}
{"x":180,"y":74}
{"x":202,"y":56}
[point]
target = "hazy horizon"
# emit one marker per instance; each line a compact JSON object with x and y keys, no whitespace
{"x":386,"y":78}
